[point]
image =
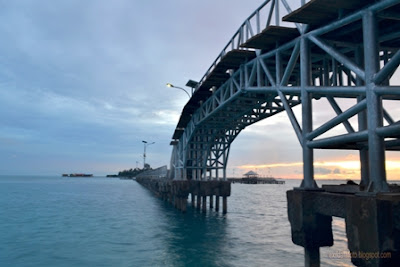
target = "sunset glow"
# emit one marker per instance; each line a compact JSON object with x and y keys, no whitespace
{"x":340,"y":169}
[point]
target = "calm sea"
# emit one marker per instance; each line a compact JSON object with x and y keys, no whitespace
{"x":54,"y":221}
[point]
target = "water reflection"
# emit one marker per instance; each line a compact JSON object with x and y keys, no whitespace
{"x":194,"y":238}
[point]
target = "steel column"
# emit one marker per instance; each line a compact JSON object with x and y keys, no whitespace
{"x":306,"y":101}
{"x":376,"y":144}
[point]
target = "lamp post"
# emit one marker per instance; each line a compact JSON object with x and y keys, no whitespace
{"x":192,"y":84}
{"x":177,"y":87}
{"x":146,"y":144}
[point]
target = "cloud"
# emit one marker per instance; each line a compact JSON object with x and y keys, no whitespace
{"x":84,"y":81}
{"x":319,"y":170}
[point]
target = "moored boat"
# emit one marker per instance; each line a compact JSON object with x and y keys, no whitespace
{"x":79,"y":175}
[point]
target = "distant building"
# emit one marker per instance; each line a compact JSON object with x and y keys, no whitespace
{"x":250,"y":174}
{"x":253,"y":178}
{"x":250,"y":178}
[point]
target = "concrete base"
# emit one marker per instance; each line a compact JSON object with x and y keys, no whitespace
{"x":372,"y":225}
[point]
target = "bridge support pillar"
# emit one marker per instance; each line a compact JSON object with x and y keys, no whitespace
{"x":217,"y":203}
{"x":177,"y":192}
{"x":198,"y":203}
{"x":309,"y":229}
{"x":372,"y":223}
{"x":184,"y":205}
{"x":307,"y":122}
{"x":204,"y":206}
{"x":376,"y":145}
{"x":224,"y":204}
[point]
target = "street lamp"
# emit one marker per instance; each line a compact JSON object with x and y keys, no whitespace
{"x":177,"y":87}
{"x":146,"y":144}
{"x":192,"y":84}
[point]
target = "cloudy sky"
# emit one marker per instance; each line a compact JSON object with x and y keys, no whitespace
{"x":82,"y":83}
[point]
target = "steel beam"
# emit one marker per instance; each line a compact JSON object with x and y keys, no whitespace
{"x":376,"y":146}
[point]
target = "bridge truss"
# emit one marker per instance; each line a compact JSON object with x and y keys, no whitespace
{"x":349,"y":50}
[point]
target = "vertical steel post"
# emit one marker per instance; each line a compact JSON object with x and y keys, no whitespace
{"x":306,"y":103}
{"x":193,"y":157}
{"x":312,"y":257}
{"x":277,"y":16}
{"x":184,"y":156}
{"x":362,"y":123}
{"x":278,"y":66}
{"x":216,"y":162}
{"x":224,"y":160}
{"x":376,"y":144}
{"x":174,"y":162}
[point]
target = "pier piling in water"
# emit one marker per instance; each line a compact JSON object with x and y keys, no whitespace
{"x":217,"y":203}
{"x":198,"y":202}
{"x":224,"y":205}
{"x":177,"y":192}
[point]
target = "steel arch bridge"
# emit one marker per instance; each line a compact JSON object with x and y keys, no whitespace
{"x":283,"y":56}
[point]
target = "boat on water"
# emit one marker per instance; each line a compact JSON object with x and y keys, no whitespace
{"x":77,"y":175}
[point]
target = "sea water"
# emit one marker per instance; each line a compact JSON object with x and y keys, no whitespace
{"x":55,"y":221}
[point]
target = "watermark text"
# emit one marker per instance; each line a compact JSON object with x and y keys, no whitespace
{"x":360,"y":255}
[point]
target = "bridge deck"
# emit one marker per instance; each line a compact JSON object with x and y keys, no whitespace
{"x":319,"y":12}
{"x":232,"y":60}
{"x":269,"y":37}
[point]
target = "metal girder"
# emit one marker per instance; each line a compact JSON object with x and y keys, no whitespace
{"x":352,"y":57}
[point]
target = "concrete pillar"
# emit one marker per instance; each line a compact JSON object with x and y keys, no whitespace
{"x":198,"y":202}
{"x":216,"y":203}
{"x":309,"y":229}
{"x":179,"y":200}
{"x":311,"y":257}
{"x":372,"y":227}
{"x":211,"y":201}
{"x":193,"y":203}
{"x":224,"y":204}
{"x":183,"y":204}
{"x":204,"y":206}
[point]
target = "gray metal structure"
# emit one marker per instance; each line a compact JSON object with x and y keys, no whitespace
{"x":281,"y":57}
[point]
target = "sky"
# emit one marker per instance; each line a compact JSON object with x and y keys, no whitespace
{"x":82,"y":84}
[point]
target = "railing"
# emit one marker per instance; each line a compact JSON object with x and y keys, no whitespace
{"x":161,"y":172}
{"x":253,"y":26}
